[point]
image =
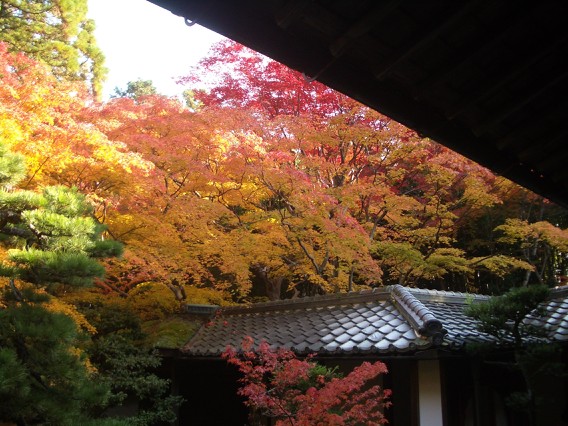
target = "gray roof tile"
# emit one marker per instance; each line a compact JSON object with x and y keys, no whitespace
{"x":389,"y":320}
{"x":376,"y":337}
{"x":358,"y":338}
{"x":348,"y":346}
{"x":365,"y":346}
{"x":555,"y":315}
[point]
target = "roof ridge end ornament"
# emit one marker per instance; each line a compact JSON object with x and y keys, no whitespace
{"x":421,"y":319}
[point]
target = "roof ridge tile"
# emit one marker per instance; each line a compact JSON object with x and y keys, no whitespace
{"x":445,"y":296}
{"x":559,"y":292}
{"x":361,"y":296}
{"x":423,"y":321}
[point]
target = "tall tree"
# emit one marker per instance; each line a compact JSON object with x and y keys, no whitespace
{"x":235,"y":76}
{"x":49,"y":242}
{"x":58,"y":33}
{"x":136,"y":89}
{"x":45,"y":120}
{"x":416,"y":199}
{"x":540,"y":244}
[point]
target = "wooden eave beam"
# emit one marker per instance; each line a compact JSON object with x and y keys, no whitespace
{"x":556,"y":164}
{"x":554,"y":113}
{"x":499,"y":81}
{"x":469,"y":56}
{"x":546,"y":148}
{"x":433,"y":30}
{"x":256,"y":27}
{"x":515,"y":105}
{"x":562,"y":172}
{"x":362,"y":27}
{"x":290,"y":13}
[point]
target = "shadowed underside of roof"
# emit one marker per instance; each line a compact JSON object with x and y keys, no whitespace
{"x":487,"y":79}
{"x":393,"y":320}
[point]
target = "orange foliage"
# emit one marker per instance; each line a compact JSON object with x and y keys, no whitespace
{"x":275,"y":185}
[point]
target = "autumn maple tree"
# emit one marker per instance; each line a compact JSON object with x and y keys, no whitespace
{"x":52,"y":244}
{"x":269,"y":185}
{"x":301,"y":192}
{"x":290,"y":122}
{"x":408,"y":200}
{"x":293,"y":391}
{"x":47,"y":123}
{"x":264,"y":184}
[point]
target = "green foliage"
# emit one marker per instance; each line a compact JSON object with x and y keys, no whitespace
{"x":505,"y":318}
{"x":13,"y":202}
{"x":15,"y":387}
{"x":149,"y":315}
{"x":502,"y":316}
{"x":405,"y":262}
{"x":40,"y":348}
{"x":532,"y":361}
{"x":57,"y":234}
{"x":43,"y":376}
{"x":108,"y":316}
{"x":316,"y":375}
{"x":56,"y":32}
{"x":537,"y":363}
{"x":500,"y":265}
{"x":127,"y":367}
{"x":46,"y":267}
{"x":136,"y":89}
{"x":12,"y":169}
{"x":170,"y":333}
{"x":450,"y":260}
{"x":106,"y":248}
{"x":54,"y":226}
{"x":65,"y":201}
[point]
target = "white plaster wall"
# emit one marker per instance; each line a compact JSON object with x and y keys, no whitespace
{"x":429,"y":393}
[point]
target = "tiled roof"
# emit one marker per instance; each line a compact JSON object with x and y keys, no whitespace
{"x":389,"y":320}
{"x":554,"y":316}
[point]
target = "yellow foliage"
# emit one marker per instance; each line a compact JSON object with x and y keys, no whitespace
{"x":57,"y":305}
{"x":10,"y":130}
{"x":501,"y":265}
{"x":206,"y":296}
{"x":79,"y":353}
{"x":152,"y":301}
{"x":4,"y":282}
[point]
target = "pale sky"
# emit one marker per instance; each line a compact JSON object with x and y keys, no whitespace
{"x":143,"y":41}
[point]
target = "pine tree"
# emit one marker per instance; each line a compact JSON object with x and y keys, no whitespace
{"x":56,"y":32}
{"x":51,"y":243}
{"x":535,"y":358}
{"x":136,"y":89}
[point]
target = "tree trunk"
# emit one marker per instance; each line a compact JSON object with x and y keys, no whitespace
{"x":272,"y":286}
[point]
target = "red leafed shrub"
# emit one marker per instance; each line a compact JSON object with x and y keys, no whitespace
{"x":301,"y":392}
